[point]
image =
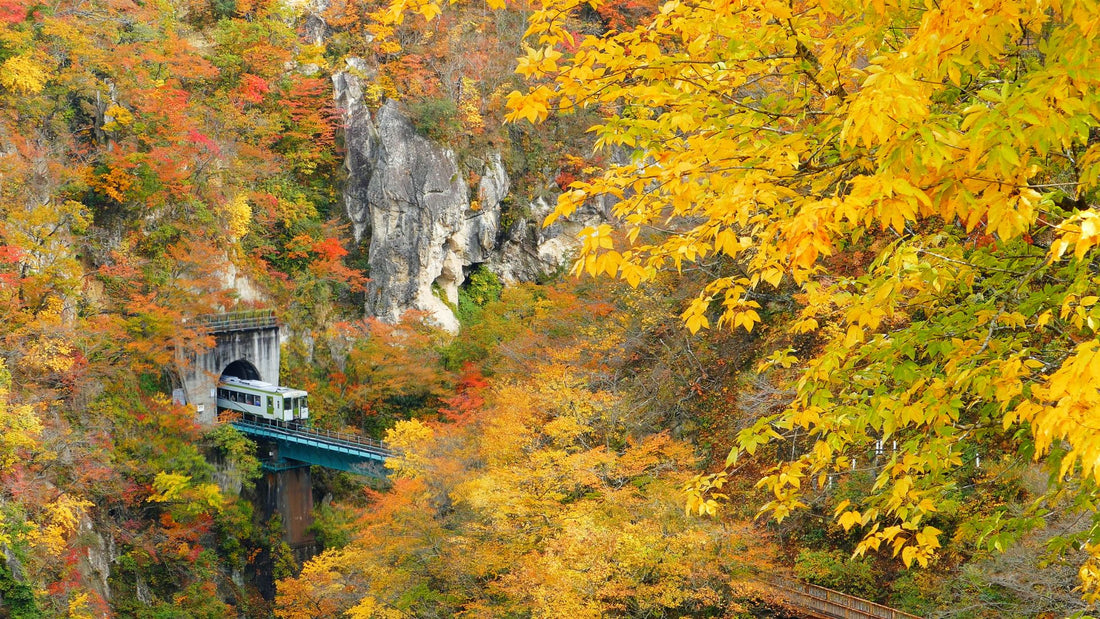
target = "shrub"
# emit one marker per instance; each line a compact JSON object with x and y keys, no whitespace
{"x":436,"y":119}
{"x":835,"y":570}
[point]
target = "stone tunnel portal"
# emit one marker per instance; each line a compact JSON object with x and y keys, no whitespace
{"x":246,"y":345}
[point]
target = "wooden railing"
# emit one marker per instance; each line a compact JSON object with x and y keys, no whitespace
{"x":821,"y":602}
{"x":237,"y":321}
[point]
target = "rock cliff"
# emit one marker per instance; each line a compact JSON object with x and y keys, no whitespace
{"x":409,"y":196}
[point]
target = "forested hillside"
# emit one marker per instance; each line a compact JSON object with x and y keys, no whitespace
{"x":833,"y":313}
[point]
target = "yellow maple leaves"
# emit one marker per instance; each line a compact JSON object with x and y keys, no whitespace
{"x":238,"y":215}
{"x":19,"y":426}
{"x":22,"y":74}
{"x":928,"y":147}
{"x":178,"y":488}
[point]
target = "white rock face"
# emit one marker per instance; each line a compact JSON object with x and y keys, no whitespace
{"x":407,"y":193}
{"x":529,"y":251}
{"x":409,"y":196}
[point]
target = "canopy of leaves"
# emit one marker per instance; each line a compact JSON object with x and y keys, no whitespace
{"x":542,"y":496}
{"x":921,"y":176}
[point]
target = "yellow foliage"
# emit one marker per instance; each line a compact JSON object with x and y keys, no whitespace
{"x":22,"y":74}
{"x":295,"y":209}
{"x":312,"y":55}
{"x":177,"y":488}
{"x":79,"y":607}
{"x":52,"y":531}
{"x":469,"y":106}
{"x":19,"y":426}
{"x":120,"y":118}
{"x":412,"y":439}
{"x":238,"y":215}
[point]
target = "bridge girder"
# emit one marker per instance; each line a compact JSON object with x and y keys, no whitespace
{"x":308,"y":447}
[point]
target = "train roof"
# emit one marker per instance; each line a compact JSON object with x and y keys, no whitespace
{"x":259,"y":385}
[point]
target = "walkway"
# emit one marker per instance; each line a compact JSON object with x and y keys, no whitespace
{"x":822,"y":603}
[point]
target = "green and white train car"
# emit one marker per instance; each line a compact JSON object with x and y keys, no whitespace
{"x":263,"y":400}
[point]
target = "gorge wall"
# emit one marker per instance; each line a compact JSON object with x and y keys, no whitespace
{"x":409,"y":196}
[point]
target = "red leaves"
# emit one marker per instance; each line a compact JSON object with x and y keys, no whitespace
{"x":468,"y":400}
{"x":329,"y":249}
{"x":252,"y":88}
{"x":324,"y":260}
{"x":10,"y":254}
{"x":12,"y":11}
{"x":312,"y":113}
{"x":195,"y":137}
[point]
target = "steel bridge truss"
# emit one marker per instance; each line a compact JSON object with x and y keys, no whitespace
{"x":304,"y":446}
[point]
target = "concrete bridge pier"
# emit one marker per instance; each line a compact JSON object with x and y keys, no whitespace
{"x":286,"y":488}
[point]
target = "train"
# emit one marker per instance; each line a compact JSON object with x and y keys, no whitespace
{"x":263,"y":400}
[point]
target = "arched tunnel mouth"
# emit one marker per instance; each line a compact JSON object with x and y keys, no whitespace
{"x":241,"y":369}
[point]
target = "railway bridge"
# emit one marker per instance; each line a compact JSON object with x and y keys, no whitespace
{"x":286,"y":486}
{"x":289,"y":447}
{"x":246,"y":346}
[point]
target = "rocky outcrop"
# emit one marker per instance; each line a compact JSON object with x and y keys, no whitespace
{"x":409,"y":196}
{"x":423,"y":231}
{"x":528,"y":251}
{"x":360,"y":137}
{"x":94,"y":564}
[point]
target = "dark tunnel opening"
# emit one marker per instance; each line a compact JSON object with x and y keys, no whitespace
{"x":241,"y":369}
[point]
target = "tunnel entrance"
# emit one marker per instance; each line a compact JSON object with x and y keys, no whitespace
{"x":241,"y":369}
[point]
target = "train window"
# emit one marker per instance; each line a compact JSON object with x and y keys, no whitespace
{"x":288,"y":404}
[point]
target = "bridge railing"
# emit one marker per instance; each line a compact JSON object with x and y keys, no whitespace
{"x":345,"y":438}
{"x":828,"y":603}
{"x":237,"y":321}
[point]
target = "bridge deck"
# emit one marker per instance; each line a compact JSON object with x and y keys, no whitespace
{"x":346,"y":452}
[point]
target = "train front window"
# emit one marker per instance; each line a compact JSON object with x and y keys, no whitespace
{"x":288,"y":404}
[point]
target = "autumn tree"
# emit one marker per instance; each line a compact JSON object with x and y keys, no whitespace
{"x":545,"y":498}
{"x":145,"y":155}
{"x":953,"y":146}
